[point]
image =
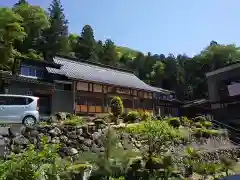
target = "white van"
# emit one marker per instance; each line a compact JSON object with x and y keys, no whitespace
{"x":19,"y":109}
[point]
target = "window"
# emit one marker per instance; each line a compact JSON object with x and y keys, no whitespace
{"x":39,"y":73}
{"x":5,"y":100}
{"x":29,"y":101}
{"x":65,"y":87}
{"x":59,"y":86}
{"x":31,"y":71}
{"x":16,"y":101}
{"x":24,"y":70}
{"x":105,"y":89}
{"x":2,"y":100}
{"x":81,"y":100}
{"x":134,"y":92}
{"x":82,"y":86}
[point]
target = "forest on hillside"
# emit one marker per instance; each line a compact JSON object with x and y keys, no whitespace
{"x":28,"y":31}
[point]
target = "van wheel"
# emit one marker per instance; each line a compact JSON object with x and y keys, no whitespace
{"x":29,"y":121}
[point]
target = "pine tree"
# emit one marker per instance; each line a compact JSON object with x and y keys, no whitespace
{"x":86,"y":46}
{"x":54,"y":39}
{"x":20,"y":2}
{"x":109,"y":53}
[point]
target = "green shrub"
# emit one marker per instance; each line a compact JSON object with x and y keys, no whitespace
{"x":206,"y":133}
{"x":74,"y":121}
{"x":198,"y":125}
{"x":185,"y":121}
{"x":197,"y":132}
{"x":155,"y":132}
{"x":145,"y":116}
{"x":116,"y":106}
{"x":213,"y":132}
{"x":207,"y":124}
{"x":132,"y":116}
{"x":78,"y":169}
{"x":33,"y":164}
{"x":174,"y":122}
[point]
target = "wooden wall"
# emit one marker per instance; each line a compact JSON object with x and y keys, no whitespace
{"x":96,"y":98}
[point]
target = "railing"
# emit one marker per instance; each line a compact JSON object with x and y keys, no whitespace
{"x":234,"y":133}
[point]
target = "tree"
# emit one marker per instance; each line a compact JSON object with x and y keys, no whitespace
{"x":157,"y":73}
{"x":86,"y":44}
{"x":138,"y":65}
{"x":109,"y":55}
{"x":55,"y":38}
{"x":11,"y":29}
{"x":218,"y":56}
{"x":20,"y":2}
{"x":35,"y":20}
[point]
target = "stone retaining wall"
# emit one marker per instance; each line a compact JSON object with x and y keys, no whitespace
{"x":76,"y":139}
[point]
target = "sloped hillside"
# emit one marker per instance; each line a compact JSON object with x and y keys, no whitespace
{"x":131,"y":53}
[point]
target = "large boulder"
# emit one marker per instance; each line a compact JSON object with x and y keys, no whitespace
{"x":4,"y":131}
{"x":55,"y":140}
{"x":20,"y":140}
{"x":63,"y":139}
{"x":61,"y":116}
{"x":55,"y":131}
{"x":69,"y":151}
{"x":87,"y":142}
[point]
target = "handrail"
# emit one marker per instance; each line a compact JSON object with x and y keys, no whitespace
{"x":229,"y":132}
{"x":226,"y":125}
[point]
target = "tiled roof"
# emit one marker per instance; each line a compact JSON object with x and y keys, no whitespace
{"x":94,"y":73}
{"x":164,"y":91}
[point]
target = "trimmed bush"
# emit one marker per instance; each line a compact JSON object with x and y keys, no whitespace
{"x":174,"y":122}
{"x":132,"y":116}
{"x":116,"y":106}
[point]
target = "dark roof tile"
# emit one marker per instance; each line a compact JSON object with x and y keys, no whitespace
{"x":90,"y":72}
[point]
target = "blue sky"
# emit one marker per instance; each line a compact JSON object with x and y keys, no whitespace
{"x":157,"y":26}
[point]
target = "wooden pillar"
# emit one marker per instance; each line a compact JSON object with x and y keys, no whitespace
{"x":74,"y":97}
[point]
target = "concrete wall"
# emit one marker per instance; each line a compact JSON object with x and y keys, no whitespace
{"x":62,"y":101}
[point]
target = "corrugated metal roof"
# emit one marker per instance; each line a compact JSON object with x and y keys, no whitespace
{"x":94,"y":73}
